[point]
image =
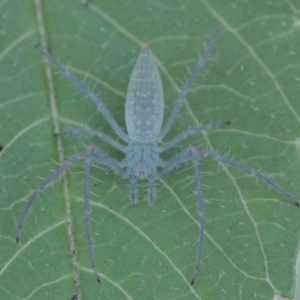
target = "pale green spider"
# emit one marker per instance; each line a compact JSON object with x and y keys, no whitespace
{"x":144,"y":120}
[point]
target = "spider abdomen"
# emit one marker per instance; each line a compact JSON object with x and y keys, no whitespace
{"x":144,"y":101}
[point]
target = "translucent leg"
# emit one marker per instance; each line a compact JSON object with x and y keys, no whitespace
{"x":133,"y":190}
{"x":94,"y":154}
{"x":99,"y":134}
{"x":271,"y":183}
{"x":88,"y":163}
{"x":101,"y":157}
{"x":191,"y":131}
{"x":100,"y":105}
{"x":151,"y":190}
{"x":187,"y":86}
{"x":64,"y":166}
{"x":192,"y":154}
{"x":195,"y":161}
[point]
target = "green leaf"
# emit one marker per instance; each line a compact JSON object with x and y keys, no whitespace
{"x":142,"y":252}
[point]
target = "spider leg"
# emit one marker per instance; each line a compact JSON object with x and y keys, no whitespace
{"x":151,"y":189}
{"x":271,"y":183}
{"x":133,"y":189}
{"x":100,"y":105}
{"x":88,"y":163}
{"x":94,"y":154}
{"x":101,"y":157}
{"x":99,"y":134}
{"x":191,"y":153}
{"x":64,"y":166}
{"x":187,"y":86}
{"x":191,"y":131}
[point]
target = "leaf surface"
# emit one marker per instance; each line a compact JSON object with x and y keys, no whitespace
{"x":142,"y":252}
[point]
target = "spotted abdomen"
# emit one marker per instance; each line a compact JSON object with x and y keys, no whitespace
{"x":144,"y":101}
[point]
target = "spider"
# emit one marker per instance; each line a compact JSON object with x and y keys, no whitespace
{"x":144,"y":122}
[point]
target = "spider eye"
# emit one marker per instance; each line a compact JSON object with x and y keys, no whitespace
{"x":141,"y":173}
